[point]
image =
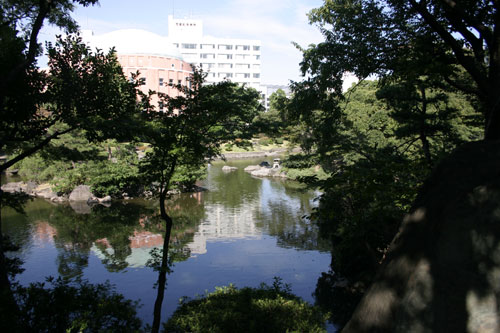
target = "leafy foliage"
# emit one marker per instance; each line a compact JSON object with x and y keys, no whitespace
{"x":376,"y":161}
{"x":75,"y":308}
{"x":264,"y":309}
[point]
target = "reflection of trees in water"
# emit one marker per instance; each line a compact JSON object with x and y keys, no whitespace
{"x":72,"y":258}
{"x":77,"y":233}
{"x":284,"y":215}
{"x":187,"y":211}
{"x":113,"y":230}
{"x":232,"y":189}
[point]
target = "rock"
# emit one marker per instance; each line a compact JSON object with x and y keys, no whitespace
{"x":44,"y":191}
{"x":31,"y":187}
{"x":268,"y":172}
{"x":14,"y":187}
{"x":58,"y":199}
{"x":80,"y":207}
{"x":264,"y":164}
{"x":251,"y":168}
{"x":105,"y":199}
{"x":263,"y":172}
{"x":228,"y":168}
{"x":92,"y":200}
{"x":81,"y":193}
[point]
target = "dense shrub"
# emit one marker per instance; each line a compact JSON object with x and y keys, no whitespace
{"x":264,"y":309}
{"x":78,"y":307}
{"x":265,"y":141}
{"x":300,"y":161}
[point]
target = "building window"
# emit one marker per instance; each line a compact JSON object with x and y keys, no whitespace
{"x":207,"y":46}
{"x":189,"y":46}
{"x":225,"y":66}
{"x":160,"y":81}
{"x":225,"y":56}
{"x":242,"y":66}
{"x":225,"y":47}
{"x":173,"y":66}
{"x":246,"y":75}
{"x":170,"y":82}
{"x":256,"y":75}
{"x":256,"y":48}
{"x":176,"y":45}
{"x":257,"y":57}
{"x":179,"y":82}
{"x":255,"y":66}
{"x":207,"y":56}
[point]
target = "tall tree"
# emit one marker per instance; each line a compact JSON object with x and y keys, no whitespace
{"x":444,"y":37}
{"x":188,"y":134}
{"x":81,"y":89}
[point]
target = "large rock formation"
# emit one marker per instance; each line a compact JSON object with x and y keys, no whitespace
{"x":81,"y":193}
{"x":442,"y":273}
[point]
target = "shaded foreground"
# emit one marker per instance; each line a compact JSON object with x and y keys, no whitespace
{"x":443,"y":268}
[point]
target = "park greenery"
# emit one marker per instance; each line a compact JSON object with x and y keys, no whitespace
{"x":435,"y":63}
{"x":429,"y":73}
{"x":263,"y":309}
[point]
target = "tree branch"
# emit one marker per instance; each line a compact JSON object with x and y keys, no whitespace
{"x":483,"y":30}
{"x":467,"y":62}
{"x":33,"y":150}
{"x":44,"y":9}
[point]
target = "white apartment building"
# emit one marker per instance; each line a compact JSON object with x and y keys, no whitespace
{"x":237,"y":60}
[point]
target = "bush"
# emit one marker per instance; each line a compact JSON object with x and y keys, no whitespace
{"x":68,"y":307}
{"x":264,"y":309}
{"x":265,"y":141}
{"x":300,"y":161}
{"x":278,"y":141}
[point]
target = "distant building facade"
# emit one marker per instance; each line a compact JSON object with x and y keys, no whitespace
{"x":266,"y":90}
{"x":237,"y":60}
{"x":159,"y":64}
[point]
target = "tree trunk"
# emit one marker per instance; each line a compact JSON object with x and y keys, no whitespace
{"x":8,"y":305}
{"x":162,"y":276}
{"x":492,"y":119}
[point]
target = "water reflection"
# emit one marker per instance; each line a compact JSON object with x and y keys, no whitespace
{"x":242,"y":230}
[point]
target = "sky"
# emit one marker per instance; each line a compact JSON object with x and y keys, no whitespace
{"x":277,"y":23}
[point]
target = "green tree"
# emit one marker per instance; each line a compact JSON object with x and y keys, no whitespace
{"x":456,"y":40}
{"x":81,"y":89}
{"x":191,"y":131}
{"x":425,"y":63}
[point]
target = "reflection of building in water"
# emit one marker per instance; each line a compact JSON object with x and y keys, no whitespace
{"x":141,"y":244}
{"x":225,"y":223}
{"x":44,"y":232}
{"x":145,"y":239}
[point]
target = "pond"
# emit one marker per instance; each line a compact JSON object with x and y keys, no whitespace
{"x":242,"y":230}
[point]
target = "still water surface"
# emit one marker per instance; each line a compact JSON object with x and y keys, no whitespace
{"x":242,"y":230}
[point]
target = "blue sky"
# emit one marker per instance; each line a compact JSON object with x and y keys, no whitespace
{"x":276,"y":23}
